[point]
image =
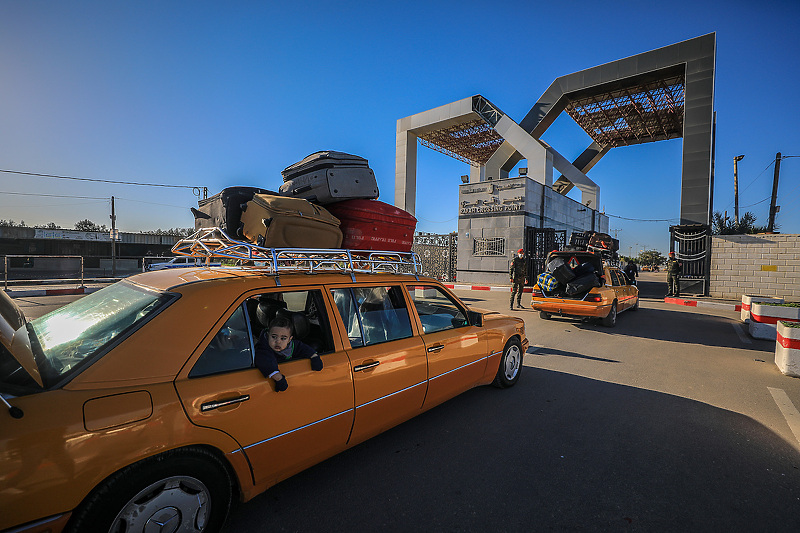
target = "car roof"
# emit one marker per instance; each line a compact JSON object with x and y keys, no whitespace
{"x":173,"y":279}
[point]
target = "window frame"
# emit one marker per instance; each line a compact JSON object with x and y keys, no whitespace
{"x":401,"y":293}
{"x":468,"y":316}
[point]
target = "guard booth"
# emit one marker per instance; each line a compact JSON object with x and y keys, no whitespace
{"x":692,"y":246}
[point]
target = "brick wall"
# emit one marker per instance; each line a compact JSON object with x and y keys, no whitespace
{"x":759,"y":265}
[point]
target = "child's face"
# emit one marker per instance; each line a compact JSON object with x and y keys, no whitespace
{"x":279,"y":338}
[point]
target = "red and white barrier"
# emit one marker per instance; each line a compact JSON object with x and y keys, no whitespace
{"x":764,"y":319}
{"x":787,"y":349}
{"x":748,"y":300}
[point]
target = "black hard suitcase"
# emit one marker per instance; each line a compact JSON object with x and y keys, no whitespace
{"x":224,"y":209}
{"x":563,"y":274}
{"x":582,"y":284}
{"x":328,"y":177}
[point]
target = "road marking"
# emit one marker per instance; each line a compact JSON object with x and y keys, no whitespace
{"x":788,"y":410}
{"x":740,"y":332}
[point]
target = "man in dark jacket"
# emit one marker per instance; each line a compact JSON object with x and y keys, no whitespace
{"x":631,"y":270}
{"x":673,"y":268}
{"x":519,"y":273}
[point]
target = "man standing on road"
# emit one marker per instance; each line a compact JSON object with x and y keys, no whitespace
{"x":632,"y":270}
{"x":519,"y":273}
{"x":674,"y":268}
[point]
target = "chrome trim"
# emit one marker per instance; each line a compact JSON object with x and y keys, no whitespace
{"x":296,"y":429}
{"x":210,"y":406}
{"x":359,"y":368}
{"x":392,"y":394}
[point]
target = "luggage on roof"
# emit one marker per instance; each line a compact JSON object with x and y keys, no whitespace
{"x":280,"y":222}
{"x":374,"y":225}
{"x":327,"y":177}
{"x":224,"y":209}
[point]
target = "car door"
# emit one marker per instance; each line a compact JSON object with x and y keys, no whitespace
{"x":619,"y":283}
{"x":279,"y":432}
{"x":388,"y":361}
{"x":457,"y":350}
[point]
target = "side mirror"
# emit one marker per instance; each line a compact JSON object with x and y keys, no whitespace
{"x":476,"y":319}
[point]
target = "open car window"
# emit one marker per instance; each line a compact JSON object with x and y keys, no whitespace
{"x":437,"y":312}
{"x":230,"y":349}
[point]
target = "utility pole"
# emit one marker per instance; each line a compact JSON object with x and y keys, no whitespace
{"x":736,"y":187}
{"x":772,"y":210}
{"x":113,"y":240}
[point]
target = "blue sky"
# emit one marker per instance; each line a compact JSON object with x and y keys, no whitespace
{"x":216,"y":94}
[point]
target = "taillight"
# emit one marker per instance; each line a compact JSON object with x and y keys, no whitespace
{"x":537,"y":293}
{"x":594,"y":298}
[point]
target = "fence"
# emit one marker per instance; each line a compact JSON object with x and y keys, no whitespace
{"x":66,"y":268}
{"x":437,"y":254}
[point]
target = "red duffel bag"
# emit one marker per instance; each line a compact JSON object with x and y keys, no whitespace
{"x":374,"y":225}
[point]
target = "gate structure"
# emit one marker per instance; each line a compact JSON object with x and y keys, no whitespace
{"x":692,"y":246}
{"x":438,"y":254}
{"x":538,"y":243}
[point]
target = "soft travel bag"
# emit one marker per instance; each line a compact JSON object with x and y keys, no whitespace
{"x":278,"y":222}
{"x":224,"y":209}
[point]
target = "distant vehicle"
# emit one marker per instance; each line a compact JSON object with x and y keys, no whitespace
{"x":178,"y":262}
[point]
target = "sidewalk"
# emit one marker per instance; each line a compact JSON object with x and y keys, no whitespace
{"x":55,"y":287}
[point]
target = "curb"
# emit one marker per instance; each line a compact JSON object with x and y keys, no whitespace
{"x":456,"y":286}
{"x":701,"y":303}
{"x":50,"y":292}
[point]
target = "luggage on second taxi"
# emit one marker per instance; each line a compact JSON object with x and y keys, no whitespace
{"x":374,"y":225}
{"x":224,"y":209}
{"x":547,"y":281}
{"x":328,"y":176}
{"x":280,"y":222}
{"x":582,"y":284}
{"x":560,"y":270}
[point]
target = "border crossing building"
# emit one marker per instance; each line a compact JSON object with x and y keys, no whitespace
{"x":666,"y":93}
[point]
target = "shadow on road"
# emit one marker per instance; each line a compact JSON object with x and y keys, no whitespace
{"x":545,"y":351}
{"x":555,"y":452}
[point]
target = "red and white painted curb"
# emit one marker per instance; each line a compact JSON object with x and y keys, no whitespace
{"x":787,"y":350}
{"x":456,"y":286}
{"x":25,"y":293}
{"x":701,"y":303}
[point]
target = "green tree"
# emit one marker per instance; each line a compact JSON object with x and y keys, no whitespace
{"x":721,"y":225}
{"x":88,"y":225}
{"x":651,"y":258}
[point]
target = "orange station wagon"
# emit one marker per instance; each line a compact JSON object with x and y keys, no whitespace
{"x":616,"y":294}
{"x":140,"y":404}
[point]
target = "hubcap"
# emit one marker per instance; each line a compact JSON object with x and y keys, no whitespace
{"x":179,"y":503}
{"x":513,"y":360}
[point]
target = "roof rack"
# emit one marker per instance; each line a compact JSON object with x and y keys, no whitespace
{"x":208,"y":243}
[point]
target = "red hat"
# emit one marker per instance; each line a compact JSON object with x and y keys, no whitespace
{"x":672,"y":253}
{"x":520,"y":251}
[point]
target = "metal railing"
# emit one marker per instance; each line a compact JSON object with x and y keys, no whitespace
{"x":6,"y":258}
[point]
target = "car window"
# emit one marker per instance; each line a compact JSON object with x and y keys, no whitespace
{"x":436,"y":310}
{"x":229,"y":350}
{"x":615,"y":278}
{"x":372,"y":315}
{"x":304,"y":309}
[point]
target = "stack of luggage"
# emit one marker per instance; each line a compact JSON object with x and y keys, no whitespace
{"x":327,"y":200}
{"x":559,"y":279}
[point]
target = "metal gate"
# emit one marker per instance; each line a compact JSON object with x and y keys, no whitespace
{"x":692,"y":246}
{"x":538,"y":243}
{"x":438,"y":255}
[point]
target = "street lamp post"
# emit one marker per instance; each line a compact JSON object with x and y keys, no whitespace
{"x":736,"y":186}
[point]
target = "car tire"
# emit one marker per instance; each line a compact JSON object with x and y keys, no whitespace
{"x":611,"y":319}
{"x":636,"y":305}
{"x":188,"y":485}
{"x":510,"y":365}
{"x":544,"y":316}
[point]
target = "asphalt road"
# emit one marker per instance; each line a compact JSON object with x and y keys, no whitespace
{"x":667,"y":422}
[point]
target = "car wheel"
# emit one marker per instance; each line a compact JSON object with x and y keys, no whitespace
{"x":188,"y":489}
{"x":611,"y":320}
{"x":544,"y":316}
{"x":510,"y":365}
{"x":636,"y":305}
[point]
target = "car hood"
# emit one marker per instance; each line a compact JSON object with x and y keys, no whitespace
{"x":15,"y":337}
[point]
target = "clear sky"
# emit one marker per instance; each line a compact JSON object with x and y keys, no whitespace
{"x":216,"y":94}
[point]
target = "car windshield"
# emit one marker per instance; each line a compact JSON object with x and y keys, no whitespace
{"x":72,"y":334}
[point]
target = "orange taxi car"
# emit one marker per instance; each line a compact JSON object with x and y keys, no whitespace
{"x":614,"y":295}
{"x":140,"y":403}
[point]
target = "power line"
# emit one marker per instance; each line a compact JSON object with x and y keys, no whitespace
{"x":642,"y":219}
{"x":55,"y":195}
{"x":98,"y":180}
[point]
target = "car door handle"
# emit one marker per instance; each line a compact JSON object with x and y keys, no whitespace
{"x":210,"y":406}
{"x":435,"y":348}
{"x":359,"y":368}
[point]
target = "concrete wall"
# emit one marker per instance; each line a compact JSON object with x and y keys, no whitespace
{"x":503,"y":208}
{"x":759,"y":265}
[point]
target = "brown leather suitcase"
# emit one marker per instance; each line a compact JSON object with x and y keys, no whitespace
{"x":280,"y":222}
